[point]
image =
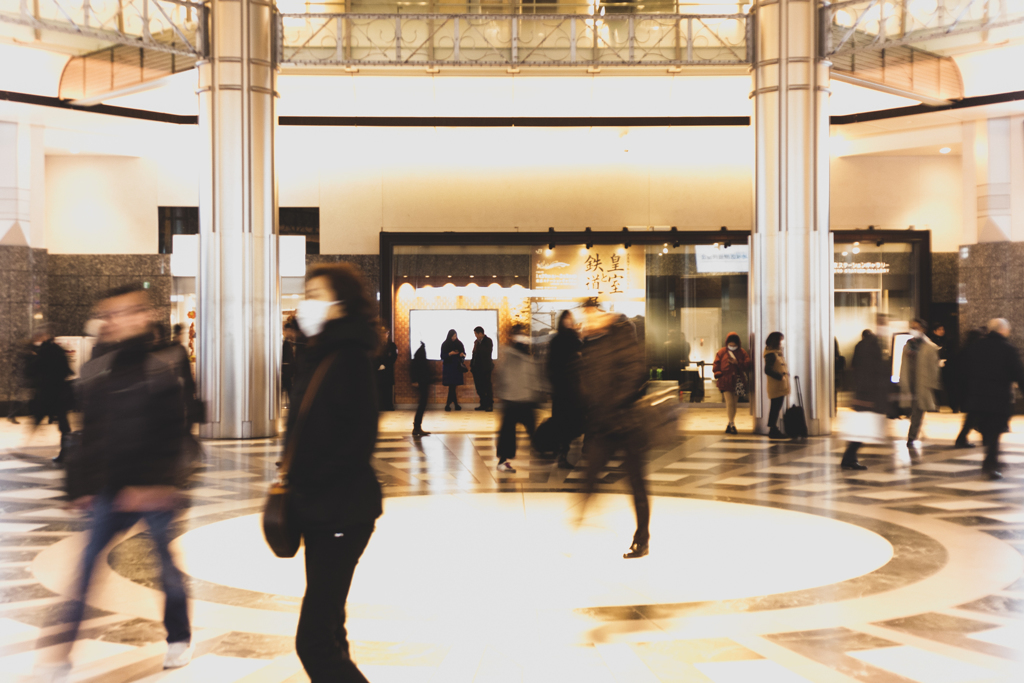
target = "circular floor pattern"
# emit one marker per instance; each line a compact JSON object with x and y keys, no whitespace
{"x":486,"y":555}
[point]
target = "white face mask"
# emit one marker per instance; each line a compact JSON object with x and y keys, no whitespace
{"x":733,"y":347}
{"x":311,"y":315}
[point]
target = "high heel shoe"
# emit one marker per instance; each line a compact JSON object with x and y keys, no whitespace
{"x":637,"y":550}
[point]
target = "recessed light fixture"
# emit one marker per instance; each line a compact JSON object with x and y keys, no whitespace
{"x":449,"y":277}
{"x":945,"y":150}
{"x":472,"y":275}
{"x":426,"y":276}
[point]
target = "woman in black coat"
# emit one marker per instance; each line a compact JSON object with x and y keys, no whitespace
{"x":452,"y":355}
{"x":564,"y":374}
{"x":335,"y":496}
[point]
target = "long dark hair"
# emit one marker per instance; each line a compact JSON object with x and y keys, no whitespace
{"x":773,"y":341}
{"x":562,"y":327}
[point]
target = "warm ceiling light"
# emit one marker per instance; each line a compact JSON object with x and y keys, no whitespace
{"x":856,"y":244}
{"x":846,"y":253}
{"x":449,"y":277}
{"x":472,"y":275}
{"x":945,"y":150}
{"x":426,"y":276}
{"x":856,"y":250}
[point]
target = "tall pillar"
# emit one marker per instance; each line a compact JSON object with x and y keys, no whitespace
{"x":992,"y":246}
{"x":791,"y":256}
{"x":238,"y":287}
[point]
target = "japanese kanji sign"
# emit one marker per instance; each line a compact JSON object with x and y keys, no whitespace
{"x":606,"y":271}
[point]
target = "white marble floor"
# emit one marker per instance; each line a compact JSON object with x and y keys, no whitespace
{"x":768,"y":564}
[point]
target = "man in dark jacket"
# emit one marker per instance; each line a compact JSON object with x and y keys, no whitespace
{"x":613,"y":378}
{"x":481,"y":365}
{"x":993,"y":367}
{"x":129,"y":467}
{"x":48,"y":372}
{"x":421,"y":375}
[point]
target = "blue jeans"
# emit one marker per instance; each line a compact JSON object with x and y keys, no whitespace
{"x":108,"y":522}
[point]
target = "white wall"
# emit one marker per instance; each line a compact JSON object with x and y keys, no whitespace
{"x":893,"y":192}
{"x":100,"y":205}
{"x":425,"y":179}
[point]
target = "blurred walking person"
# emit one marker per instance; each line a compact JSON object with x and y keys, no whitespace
{"x":452,"y":369}
{"x":129,"y":467}
{"x":564,"y":359}
{"x":919,"y":378}
{"x":422,"y":376}
{"x":870,"y":399}
{"x":482,"y":365}
{"x":993,"y":367}
{"x":519,"y":388}
{"x":958,"y":385}
{"x":778,"y":381}
{"x":48,"y":372}
{"x":613,"y":377}
{"x":335,"y":497}
{"x":730,"y":369}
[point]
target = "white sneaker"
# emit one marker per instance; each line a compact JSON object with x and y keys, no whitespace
{"x":505,"y":466}
{"x":53,"y":673}
{"x":178,"y":654}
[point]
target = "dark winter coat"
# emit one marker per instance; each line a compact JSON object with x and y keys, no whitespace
{"x":992,"y":367}
{"x":613,"y":377}
{"x":333,"y":484}
{"x":564,"y":361}
{"x":451,"y":366}
{"x":48,"y":372}
{"x":420,"y":371}
{"x":133,"y":421}
{"x":871,"y":385}
{"x":483,"y":356}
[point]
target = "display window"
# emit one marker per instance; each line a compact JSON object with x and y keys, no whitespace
{"x":683,"y":293}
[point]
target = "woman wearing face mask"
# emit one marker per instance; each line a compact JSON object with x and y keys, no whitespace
{"x":334,"y":494}
{"x":731,"y":367}
{"x":452,"y":355}
{"x":778,"y":381}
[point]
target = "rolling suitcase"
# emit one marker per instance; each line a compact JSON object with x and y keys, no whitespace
{"x":794,"y":420}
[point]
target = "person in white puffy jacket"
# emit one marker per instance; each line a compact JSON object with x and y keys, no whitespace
{"x":519,"y":384}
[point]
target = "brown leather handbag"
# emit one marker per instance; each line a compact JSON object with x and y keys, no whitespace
{"x":283,"y":537}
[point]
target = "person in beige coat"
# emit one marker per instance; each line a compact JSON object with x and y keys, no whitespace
{"x":777,"y":381}
{"x":919,"y":378}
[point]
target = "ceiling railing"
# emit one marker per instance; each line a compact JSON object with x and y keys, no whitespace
{"x":514,"y":40}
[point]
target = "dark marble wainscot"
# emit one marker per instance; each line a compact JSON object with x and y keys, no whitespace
{"x":77,"y":281}
{"x":23,"y":297}
{"x":992,"y":286}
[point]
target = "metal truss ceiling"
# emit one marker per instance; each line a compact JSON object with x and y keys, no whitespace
{"x":174,"y":26}
{"x":513,"y":40}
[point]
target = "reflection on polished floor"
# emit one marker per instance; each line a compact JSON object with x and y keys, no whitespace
{"x":767,"y":564}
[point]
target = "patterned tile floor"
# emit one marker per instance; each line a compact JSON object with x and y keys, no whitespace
{"x":768,"y":564}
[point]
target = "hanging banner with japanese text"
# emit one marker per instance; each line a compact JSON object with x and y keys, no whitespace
{"x":610,"y":272}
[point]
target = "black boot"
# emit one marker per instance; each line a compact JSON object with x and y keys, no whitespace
{"x":776,"y":433}
{"x":850,"y":458}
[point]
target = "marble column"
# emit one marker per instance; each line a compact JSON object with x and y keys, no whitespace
{"x":791,"y":255}
{"x":992,"y":247}
{"x":238,"y":354}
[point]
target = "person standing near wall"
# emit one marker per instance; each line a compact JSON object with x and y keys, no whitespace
{"x":960,"y":384}
{"x":778,"y":381}
{"x":335,"y":498}
{"x":48,"y":372}
{"x":994,"y":366}
{"x":481,"y":365}
{"x":422,"y":376}
{"x":452,"y":369}
{"x":919,"y":378}
{"x":730,"y":368}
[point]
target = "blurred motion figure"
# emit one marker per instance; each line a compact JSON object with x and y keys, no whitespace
{"x":519,"y":387}
{"x":613,"y":378}
{"x":130,"y":464}
{"x":564,"y":359}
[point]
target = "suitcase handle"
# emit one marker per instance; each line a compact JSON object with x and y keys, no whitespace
{"x":799,"y":394}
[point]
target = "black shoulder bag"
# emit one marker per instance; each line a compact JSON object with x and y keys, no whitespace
{"x":281,"y":534}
